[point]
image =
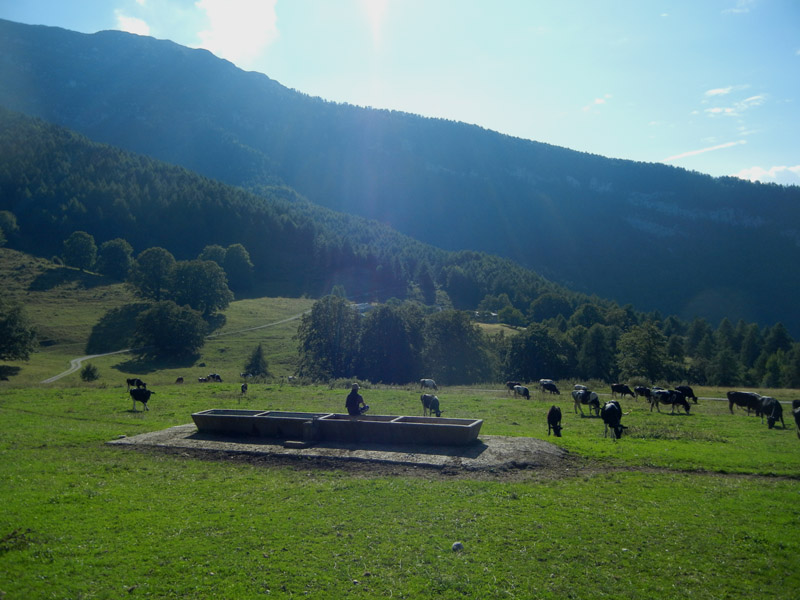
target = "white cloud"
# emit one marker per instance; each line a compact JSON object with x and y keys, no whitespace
{"x":742,"y":6}
{"x":597,"y":102}
{"x":131,"y":24}
{"x":719,"y":91}
{"x":704,"y":150}
{"x":782,"y":175}
{"x":738,"y":107}
{"x":239,"y":30}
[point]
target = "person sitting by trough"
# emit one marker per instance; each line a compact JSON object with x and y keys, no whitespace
{"x":355,"y":402}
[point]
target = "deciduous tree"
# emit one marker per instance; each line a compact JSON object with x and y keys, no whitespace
{"x":17,"y":335}
{"x":167,"y":329}
{"x":115,"y":258}
{"x":152,"y":272}
{"x":200,"y":284}
{"x":328,"y":339}
{"x":80,"y":251}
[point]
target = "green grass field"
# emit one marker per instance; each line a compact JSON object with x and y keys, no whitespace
{"x":699,"y":506}
{"x":704,"y":506}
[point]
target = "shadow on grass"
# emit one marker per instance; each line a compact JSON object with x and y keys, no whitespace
{"x":142,"y":365}
{"x":52,"y":278}
{"x":7,"y":371}
{"x":115,"y":330}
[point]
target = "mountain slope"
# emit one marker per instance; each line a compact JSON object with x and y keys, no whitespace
{"x":652,"y":235}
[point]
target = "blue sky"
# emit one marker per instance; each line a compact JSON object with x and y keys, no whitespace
{"x":708,"y":85}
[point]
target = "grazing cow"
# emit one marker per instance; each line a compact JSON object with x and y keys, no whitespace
{"x":214,"y":377}
{"x":748,"y":400}
{"x":796,"y":413}
{"x":179,"y":380}
{"x":140,"y":395}
{"x":587,"y":397}
{"x":430,"y":405}
{"x":521,"y":390}
{"x":202,"y":379}
{"x":772,"y":409}
{"x":550,"y":387}
{"x":612,"y":416}
{"x":673,"y":397}
{"x":244,"y":388}
{"x":428,"y":383}
{"x":642,"y":392}
{"x":511,"y":385}
{"x":621,"y":389}
{"x":245,"y":375}
{"x":554,"y":421}
{"x":135,"y":382}
{"x":687,"y":391}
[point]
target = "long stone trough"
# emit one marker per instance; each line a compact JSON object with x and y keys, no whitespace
{"x":332,"y":427}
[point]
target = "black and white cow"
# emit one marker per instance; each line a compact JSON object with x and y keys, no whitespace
{"x":621,"y":389}
{"x":687,"y":391}
{"x":796,"y":413}
{"x":430,"y":405}
{"x":642,"y":391}
{"x":135,"y":382}
{"x":428,"y":383}
{"x":587,"y":397}
{"x":510,"y":385}
{"x":772,"y":409}
{"x":554,"y":421}
{"x":521,"y":390}
{"x":244,"y":388}
{"x":673,"y":397}
{"x":612,"y":417}
{"x":748,"y":400}
{"x":140,"y":395}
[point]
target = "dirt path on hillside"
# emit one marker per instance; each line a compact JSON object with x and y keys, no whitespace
{"x":76,"y":363}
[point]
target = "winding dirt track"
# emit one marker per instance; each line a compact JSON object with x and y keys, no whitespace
{"x":76,"y":363}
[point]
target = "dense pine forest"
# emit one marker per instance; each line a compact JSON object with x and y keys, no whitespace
{"x":60,"y":192}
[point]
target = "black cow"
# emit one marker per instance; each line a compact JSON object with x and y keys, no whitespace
{"x":612,"y":415}
{"x":687,"y":391}
{"x":135,"y":382}
{"x":796,"y":413}
{"x":512,"y":384}
{"x":772,"y":409}
{"x":549,"y":386}
{"x":642,"y":392}
{"x":179,"y":380}
{"x":554,"y":421}
{"x":621,"y":389}
{"x":587,"y":397}
{"x":430,"y":405}
{"x":140,"y":395}
{"x":214,"y":377}
{"x":244,"y":388}
{"x":521,"y":390}
{"x":748,"y":400}
{"x":673,"y":397}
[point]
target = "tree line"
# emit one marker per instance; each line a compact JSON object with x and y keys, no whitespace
{"x":403,"y":341}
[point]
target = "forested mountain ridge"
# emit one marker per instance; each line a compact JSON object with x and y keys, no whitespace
{"x":648,"y":234}
{"x":55,"y":182}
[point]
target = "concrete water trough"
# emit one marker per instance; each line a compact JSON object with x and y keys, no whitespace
{"x":331,"y":427}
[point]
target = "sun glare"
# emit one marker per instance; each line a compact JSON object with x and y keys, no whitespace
{"x":375,"y":12}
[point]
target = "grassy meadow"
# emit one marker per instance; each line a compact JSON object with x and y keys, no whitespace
{"x":705,"y":505}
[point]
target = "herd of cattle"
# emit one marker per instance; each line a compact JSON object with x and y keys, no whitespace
{"x":610,"y":412}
